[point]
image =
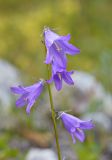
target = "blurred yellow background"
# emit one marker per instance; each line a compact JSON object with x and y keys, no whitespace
{"x":22,"y":22}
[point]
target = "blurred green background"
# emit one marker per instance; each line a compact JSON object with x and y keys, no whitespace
{"x":88,"y":21}
{"x":22,"y":22}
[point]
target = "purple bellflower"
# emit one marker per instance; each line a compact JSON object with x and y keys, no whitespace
{"x":75,"y":126}
{"x":59,"y":74}
{"x":57,"y":47}
{"x":28,"y":95}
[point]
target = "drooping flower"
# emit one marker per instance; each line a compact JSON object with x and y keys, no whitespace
{"x":57,"y":47}
{"x":59,"y":74}
{"x":75,"y":126}
{"x":28,"y":95}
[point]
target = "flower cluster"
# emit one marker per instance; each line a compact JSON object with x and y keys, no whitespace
{"x":57,"y":48}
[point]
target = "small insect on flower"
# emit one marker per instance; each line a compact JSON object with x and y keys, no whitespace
{"x":28,"y":95}
{"x":57,"y":47}
{"x":75,"y":126}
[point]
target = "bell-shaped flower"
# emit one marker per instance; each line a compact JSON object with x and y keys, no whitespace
{"x":75,"y":126}
{"x":58,"y":74}
{"x":57,"y":47}
{"x":28,"y":95}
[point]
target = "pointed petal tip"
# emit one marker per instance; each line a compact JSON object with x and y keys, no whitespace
{"x":65,"y":38}
{"x":58,"y":88}
{"x":91,"y":124}
{"x":83,"y":139}
{"x":74,"y":141}
{"x":17,"y":89}
{"x":19,"y":103}
{"x":27,"y":111}
{"x":46,"y":62}
{"x":72,"y":83}
{"x":49,"y":81}
{"x":67,"y":78}
{"x":80,"y":135}
{"x":87,"y":125}
{"x":76,"y":51}
{"x":13,"y":89}
{"x":57,"y":82}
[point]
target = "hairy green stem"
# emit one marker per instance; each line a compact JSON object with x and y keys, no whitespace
{"x":53,"y":116}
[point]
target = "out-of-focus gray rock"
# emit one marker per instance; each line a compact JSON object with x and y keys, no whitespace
{"x":107,"y":151}
{"x":9,"y":76}
{"x":107,"y":104}
{"x":41,"y":154}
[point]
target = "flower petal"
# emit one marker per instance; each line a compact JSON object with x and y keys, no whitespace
{"x":66,"y":77}
{"x":22,"y":101}
{"x":50,"y":80}
{"x":73,"y":129}
{"x":57,"y":68}
{"x":80,"y":135}
{"x":87,"y":125}
{"x":68,"y":48}
{"x":32,"y":87}
{"x":65,"y":38}
{"x":28,"y":108}
{"x":58,"y":82}
{"x":59,"y":57}
{"x":50,"y":36}
{"x":17,"y":90}
{"x":35,"y":93}
{"x":49,"y":57}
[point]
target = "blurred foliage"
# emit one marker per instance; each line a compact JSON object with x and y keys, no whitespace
{"x":90,"y":150}
{"x":6,"y":151}
{"x":105,"y":70}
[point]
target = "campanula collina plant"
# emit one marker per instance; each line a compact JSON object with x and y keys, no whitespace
{"x":57,"y":47}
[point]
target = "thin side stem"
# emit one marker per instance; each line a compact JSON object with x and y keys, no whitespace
{"x":53,"y":117}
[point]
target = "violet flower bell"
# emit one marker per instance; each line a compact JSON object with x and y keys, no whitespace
{"x":28,"y":95}
{"x":57,"y":47}
{"x":59,"y":74}
{"x":75,"y":126}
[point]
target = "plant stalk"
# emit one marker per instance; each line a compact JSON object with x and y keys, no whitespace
{"x":53,"y":116}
